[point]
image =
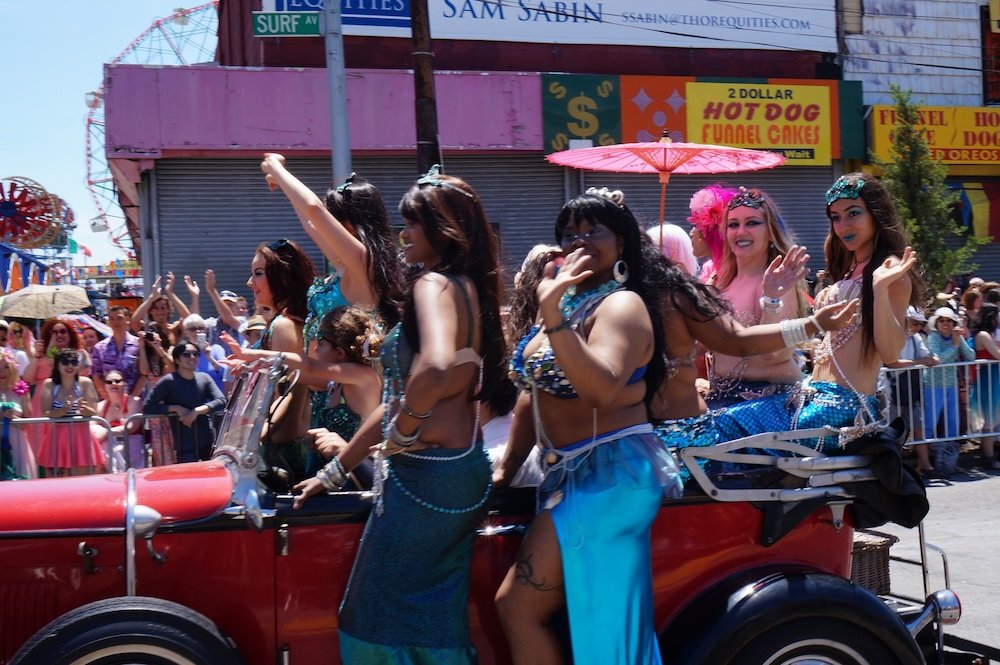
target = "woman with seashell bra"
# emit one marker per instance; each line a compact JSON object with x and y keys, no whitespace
{"x":751,"y":279}
{"x":867,"y":252}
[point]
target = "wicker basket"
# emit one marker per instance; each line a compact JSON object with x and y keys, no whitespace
{"x":870,"y":560}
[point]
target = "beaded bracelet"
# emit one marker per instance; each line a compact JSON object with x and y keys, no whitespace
{"x":404,"y":407}
{"x":333,"y":476}
{"x":562,"y":325}
{"x":771,"y":304}
{"x":793,"y":331}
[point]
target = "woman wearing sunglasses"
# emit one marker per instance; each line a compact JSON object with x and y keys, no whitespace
{"x":68,"y":448}
{"x":116,"y":409}
{"x":192,"y":397}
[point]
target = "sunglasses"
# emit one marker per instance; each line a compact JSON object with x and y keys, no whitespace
{"x":189,"y":354}
{"x":278,"y":244}
{"x":69,"y":361}
{"x":114,"y":382}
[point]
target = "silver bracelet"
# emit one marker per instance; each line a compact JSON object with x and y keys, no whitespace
{"x":405,"y":408}
{"x":397,"y":438}
{"x":333,"y":475}
{"x":793,"y":331}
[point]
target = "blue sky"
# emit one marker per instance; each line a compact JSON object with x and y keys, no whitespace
{"x":54,"y":51}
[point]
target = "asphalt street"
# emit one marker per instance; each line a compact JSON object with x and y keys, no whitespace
{"x":964,"y":520}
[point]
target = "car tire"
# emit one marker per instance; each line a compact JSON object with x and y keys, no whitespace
{"x":139,"y":630}
{"x":815,"y":640}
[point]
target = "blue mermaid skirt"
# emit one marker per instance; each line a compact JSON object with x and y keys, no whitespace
{"x":405,"y":602}
{"x":603,"y":504}
{"x":698,"y":431}
{"x":823,"y":403}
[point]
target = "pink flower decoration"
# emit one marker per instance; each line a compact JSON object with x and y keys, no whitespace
{"x":21,"y":388}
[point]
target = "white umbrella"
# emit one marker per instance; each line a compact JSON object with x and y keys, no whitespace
{"x":43,"y":301}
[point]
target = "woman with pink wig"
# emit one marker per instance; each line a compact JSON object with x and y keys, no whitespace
{"x":708,"y":215}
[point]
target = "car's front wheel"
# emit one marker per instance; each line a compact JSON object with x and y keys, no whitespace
{"x":815,"y":641}
{"x":137,"y":630}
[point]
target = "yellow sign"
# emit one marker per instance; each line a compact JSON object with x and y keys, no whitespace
{"x":793,"y":120}
{"x":995,"y":15}
{"x":954,"y":134}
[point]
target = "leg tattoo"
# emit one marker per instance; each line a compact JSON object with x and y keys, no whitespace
{"x":524,"y":574}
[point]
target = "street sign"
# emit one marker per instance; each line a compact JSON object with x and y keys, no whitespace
{"x":287,"y":24}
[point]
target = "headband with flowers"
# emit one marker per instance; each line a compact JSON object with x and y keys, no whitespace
{"x":708,"y":214}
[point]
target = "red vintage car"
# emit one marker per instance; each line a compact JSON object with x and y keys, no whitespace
{"x":200,"y":564}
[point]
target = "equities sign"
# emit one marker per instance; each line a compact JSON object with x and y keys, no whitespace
{"x":806,"y":25}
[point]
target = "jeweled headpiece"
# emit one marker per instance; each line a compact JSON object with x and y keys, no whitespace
{"x":616,"y":196}
{"x":844,"y":188}
{"x":433,"y":177}
{"x":342,"y":188}
{"x":750,"y":198}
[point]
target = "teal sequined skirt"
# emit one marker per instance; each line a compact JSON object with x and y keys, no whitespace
{"x":406,"y":598}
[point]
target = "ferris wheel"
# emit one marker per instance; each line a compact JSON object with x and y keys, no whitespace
{"x":31,"y":217}
{"x":186,"y":37}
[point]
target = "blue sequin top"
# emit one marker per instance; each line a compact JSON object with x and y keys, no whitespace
{"x":322,"y":297}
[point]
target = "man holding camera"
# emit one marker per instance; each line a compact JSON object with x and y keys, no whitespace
{"x":120,"y":351}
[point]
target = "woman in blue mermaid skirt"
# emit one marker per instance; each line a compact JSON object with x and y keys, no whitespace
{"x":588,"y":366}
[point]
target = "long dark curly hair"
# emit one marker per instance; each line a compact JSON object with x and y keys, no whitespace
{"x":359,"y":202}
{"x":453,"y":219}
{"x":638,"y":253}
{"x":890,"y":240}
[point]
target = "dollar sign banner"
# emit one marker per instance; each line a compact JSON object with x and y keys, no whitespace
{"x":580,"y":107}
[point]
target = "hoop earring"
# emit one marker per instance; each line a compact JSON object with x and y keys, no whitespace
{"x":620,"y":271}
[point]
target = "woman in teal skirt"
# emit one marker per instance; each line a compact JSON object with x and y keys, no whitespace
{"x":406,"y":598}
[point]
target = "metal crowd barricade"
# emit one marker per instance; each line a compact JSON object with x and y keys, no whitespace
{"x":74,"y":461}
{"x":154,"y":453}
{"x":949,"y":402}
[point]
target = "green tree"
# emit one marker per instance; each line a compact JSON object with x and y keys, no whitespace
{"x":925,"y":204}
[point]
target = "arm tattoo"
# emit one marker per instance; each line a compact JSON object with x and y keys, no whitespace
{"x":525,"y":575}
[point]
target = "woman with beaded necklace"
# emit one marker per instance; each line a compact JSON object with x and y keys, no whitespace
{"x":590,"y":364}
{"x":406,"y":597}
{"x":867,"y":250}
{"x":756,"y":242}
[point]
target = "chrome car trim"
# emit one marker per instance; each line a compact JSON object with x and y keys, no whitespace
{"x":942,"y":606}
{"x":130,"y":533}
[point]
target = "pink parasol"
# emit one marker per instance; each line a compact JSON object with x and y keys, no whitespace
{"x":666,"y":157}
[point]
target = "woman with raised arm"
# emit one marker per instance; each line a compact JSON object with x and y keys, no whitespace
{"x":589,"y":365}
{"x":406,"y":597}
{"x":160,"y":307}
{"x":756,"y":241}
{"x":867,"y":252}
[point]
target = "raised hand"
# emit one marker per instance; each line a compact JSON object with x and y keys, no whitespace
{"x":893,"y":269}
{"x":157,"y":290}
{"x":785,"y":271}
{"x":210,"y":279}
{"x":192,"y":286}
{"x":557,"y":277}
{"x":272,"y":160}
{"x":838,"y":315}
{"x":168,"y":287}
